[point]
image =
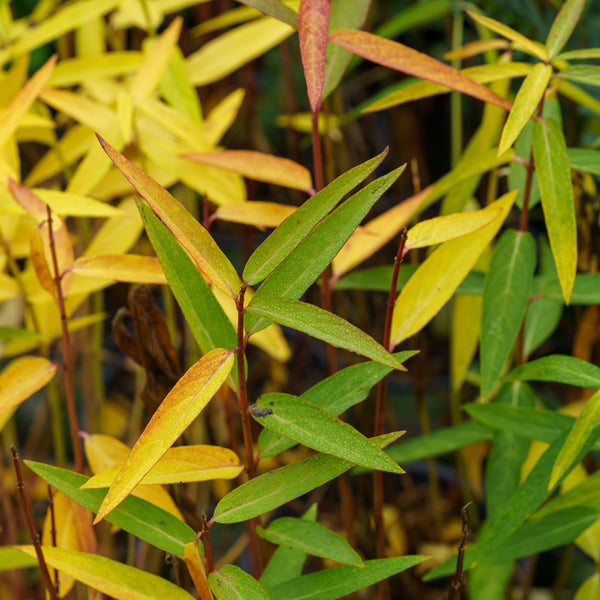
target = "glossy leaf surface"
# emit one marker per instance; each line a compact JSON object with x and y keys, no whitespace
{"x":231,"y":583}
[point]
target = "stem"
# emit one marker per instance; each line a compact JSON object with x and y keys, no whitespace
{"x":53,"y":532}
{"x":207,"y":544}
{"x":66,"y":344}
{"x":35,"y":537}
{"x":458,"y":575}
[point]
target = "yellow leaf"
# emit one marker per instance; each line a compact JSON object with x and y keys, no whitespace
{"x":222,"y":56}
{"x":477,"y":47}
{"x":402,"y":58}
{"x":16,"y":110}
{"x":259,"y":214}
{"x":75,"y":205}
{"x":220,"y":118}
{"x":180,"y":464}
{"x":528,"y":97}
{"x":121,"y":267}
{"x":22,"y":378}
{"x":441,"y":229}
{"x":521,"y":42}
{"x":181,"y":406}
{"x":260,"y":166}
{"x":195,"y":566}
{"x":466,"y":326}
{"x":437,"y":278}
{"x":366,"y":240}
{"x":110,"y":577}
{"x":32,"y":204}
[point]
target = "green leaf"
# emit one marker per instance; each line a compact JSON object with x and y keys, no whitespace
{"x":335,"y":394}
{"x":305,"y":422}
{"x":583,"y":430}
{"x":276,"y":9}
{"x":209,"y":325}
{"x":582,"y":54}
{"x":231,"y":583}
{"x":322,"y":325}
{"x":302,"y":267}
{"x":584,"y":494}
{"x":17,"y":333}
{"x":586,"y":74}
{"x":584,"y":160}
{"x":541,"y":320}
{"x":271,"y":253}
{"x":286,"y":563}
{"x":147,"y":521}
{"x":441,"y":273}
{"x":563,"y":26}
{"x":559,"y":368}
{"x":505,"y":295}
{"x":341,"y":581}
{"x":311,"y":538}
{"x":554,"y":178}
{"x":528,"y":97}
{"x":11,"y":558}
{"x":270,"y":490}
{"x":585,"y":291}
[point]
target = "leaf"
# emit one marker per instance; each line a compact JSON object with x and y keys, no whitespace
{"x":270,"y":490}
{"x":310,"y":537}
{"x":180,"y":464}
{"x":181,"y":406}
{"x":313,"y":22}
{"x":256,"y":213}
{"x":521,"y":42}
{"x":66,"y":204}
{"x":590,"y":588}
{"x":560,"y":369}
{"x":338,"y":582}
{"x":322,"y":325}
{"x":110,"y":577}
{"x":221,"y":56}
{"x":231,"y":583}
{"x":581,"y":54}
{"x":554,"y":178}
{"x":306,"y":262}
{"x":505,"y":294}
{"x":259,"y":166}
{"x":438,"y":277}
{"x":563,"y":26}
{"x":541,"y":320}
{"x":275,"y":9}
{"x":527,"y":100}
{"x":197,"y":570}
{"x":308,"y":424}
{"x":271,"y":253}
{"x":121,"y":267}
{"x":586,"y":74}
{"x":441,"y":229}
{"x":21,"y":379}
{"x":197,"y":242}
{"x":402,"y":58}
{"x":11,"y":559}
{"x":581,"y":432}
{"x":583,"y":159}
{"x":209,"y":324}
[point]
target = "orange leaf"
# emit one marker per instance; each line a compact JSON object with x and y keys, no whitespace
{"x":22,"y":378}
{"x":193,"y":562}
{"x":313,"y":21}
{"x":38,"y":259}
{"x":259,"y":214}
{"x":32,"y":204}
{"x":402,"y":58}
{"x":256,"y":165}
{"x":132,"y":268}
{"x":181,"y":406}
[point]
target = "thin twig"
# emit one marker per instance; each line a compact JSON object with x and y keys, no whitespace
{"x":457,"y":582}
{"x":53,"y":531}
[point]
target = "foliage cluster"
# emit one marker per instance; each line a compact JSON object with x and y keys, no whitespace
{"x":252,"y":398}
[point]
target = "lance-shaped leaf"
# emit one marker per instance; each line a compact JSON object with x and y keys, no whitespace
{"x":231,"y":583}
{"x":307,"y":423}
{"x":256,"y":213}
{"x":139,"y":517}
{"x":554,"y":178}
{"x":528,"y":97}
{"x":132,"y":268}
{"x":311,"y":538}
{"x":559,"y":368}
{"x":522,"y":42}
{"x":11,"y":559}
{"x":22,"y":378}
{"x":437,"y":278}
{"x":197,"y":570}
{"x":505,"y":294}
{"x":198,"y":243}
{"x":110,"y":577}
{"x":313,"y":22}
{"x":271,"y":253}
{"x":302,"y":267}
{"x":260,"y":166}
{"x":322,"y":325}
{"x":563,"y":26}
{"x":338,"y":582}
{"x":181,"y":406}
{"x":402,"y":58}
{"x":584,"y":430}
{"x":276,"y":9}
{"x":179,"y":464}
{"x":209,"y":324}
{"x":272,"y":489}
